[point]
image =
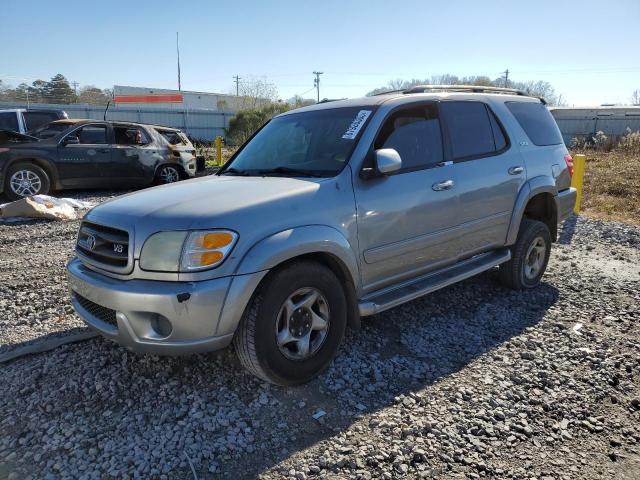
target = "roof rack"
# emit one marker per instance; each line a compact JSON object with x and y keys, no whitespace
{"x":462,"y":88}
{"x":465,"y":88}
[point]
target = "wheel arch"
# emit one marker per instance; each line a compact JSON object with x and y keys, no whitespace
{"x":319,"y":243}
{"x":48,"y":166}
{"x":537,"y":200}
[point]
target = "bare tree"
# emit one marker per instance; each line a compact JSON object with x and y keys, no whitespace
{"x":635,"y":97}
{"x":255,"y":92}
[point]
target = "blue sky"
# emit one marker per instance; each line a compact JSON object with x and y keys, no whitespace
{"x":587,"y":49}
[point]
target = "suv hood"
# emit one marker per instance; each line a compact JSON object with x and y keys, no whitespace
{"x":208,"y":202}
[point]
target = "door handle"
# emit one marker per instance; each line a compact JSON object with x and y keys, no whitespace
{"x":516,"y":170}
{"x":440,"y":186}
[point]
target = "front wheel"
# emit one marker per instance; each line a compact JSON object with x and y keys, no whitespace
{"x":25,"y":180}
{"x":529,"y":256}
{"x":167,"y":174}
{"x":293,"y":326}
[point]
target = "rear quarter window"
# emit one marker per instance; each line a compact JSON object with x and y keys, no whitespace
{"x":537,"y":122}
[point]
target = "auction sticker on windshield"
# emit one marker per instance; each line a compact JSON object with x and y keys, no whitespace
{"x":356,"y":125}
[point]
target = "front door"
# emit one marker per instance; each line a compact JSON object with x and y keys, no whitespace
{"x":489,"y":174}
{"x":82,"y":154}
{"x":406,"y":221}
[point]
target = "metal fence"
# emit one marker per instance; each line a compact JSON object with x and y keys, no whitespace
{"x":199,"y":124}
{"x":583,"y":122}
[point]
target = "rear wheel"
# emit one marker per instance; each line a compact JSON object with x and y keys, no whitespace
{"x":293,"y":326}
{"x":25,"y":180}
{"x":167,"y":174}
{"x":529,"y":256}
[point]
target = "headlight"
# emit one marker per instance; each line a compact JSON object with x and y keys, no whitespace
{"x":206,"y":249}
{"x":186,"y":251}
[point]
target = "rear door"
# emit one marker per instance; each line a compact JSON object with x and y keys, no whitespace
{"x":406,"y":220}
{"x":489,"y":173}
{"x":83,"y":153}
{"x":134,"y":155}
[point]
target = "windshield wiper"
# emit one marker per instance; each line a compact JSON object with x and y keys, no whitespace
{"x":294,"y":172}
{"x":235,"y":171}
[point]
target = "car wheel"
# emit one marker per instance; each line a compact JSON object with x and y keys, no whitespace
{"x":168,"y":174}
{"x":25,"y":180}
{"x":293,"y":326}
{"x":529,"y":256}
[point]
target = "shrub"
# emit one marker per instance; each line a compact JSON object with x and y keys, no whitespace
{"x":246,"y":122}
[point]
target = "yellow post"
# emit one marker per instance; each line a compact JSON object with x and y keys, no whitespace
{"x":578,"y":177}
{"x":219,"y":150}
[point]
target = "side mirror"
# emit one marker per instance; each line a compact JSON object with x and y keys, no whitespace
{"x":387,"y":161}
{"x":71,"y":140}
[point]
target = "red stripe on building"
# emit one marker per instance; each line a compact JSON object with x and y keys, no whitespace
{"x":156,"y":98}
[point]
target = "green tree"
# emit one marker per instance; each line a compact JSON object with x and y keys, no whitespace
{"x":246,"y":122}
{"x":59,"y":90}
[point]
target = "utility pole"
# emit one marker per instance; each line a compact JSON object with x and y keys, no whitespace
{"x":237,"y":80}
{"x":316,"y":83}
{"x":506,"y":78}
{"x":178,"y":52}
{"x":75,"y":87}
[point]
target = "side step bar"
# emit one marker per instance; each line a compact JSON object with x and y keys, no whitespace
{"x":398,"y":294}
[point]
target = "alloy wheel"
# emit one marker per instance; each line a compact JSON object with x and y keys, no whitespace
{"x":534,"y":259}
{"x":302,"y":324}
{"x":169,"y":174}
{"x":25,"y":183}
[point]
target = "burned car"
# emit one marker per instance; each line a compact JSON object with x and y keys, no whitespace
{"x":69,"y":154}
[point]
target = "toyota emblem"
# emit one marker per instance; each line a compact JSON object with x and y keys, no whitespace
{"x":90,"y":242}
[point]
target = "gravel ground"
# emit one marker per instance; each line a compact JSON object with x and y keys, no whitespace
{"x":473,"y":381}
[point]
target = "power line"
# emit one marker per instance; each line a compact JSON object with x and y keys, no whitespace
{"x":236,"y":79}
{"x":316,"y":83}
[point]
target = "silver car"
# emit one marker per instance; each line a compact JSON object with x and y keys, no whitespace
{"x":328,"y":214}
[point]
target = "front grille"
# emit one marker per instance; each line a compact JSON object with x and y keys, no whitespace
{"x":102,"y":313}
{"x":106,"y":247}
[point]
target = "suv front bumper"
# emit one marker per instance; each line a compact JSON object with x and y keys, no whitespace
{"x":161,"y":318}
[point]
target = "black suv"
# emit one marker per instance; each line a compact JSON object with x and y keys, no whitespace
{"x":92,"y":154}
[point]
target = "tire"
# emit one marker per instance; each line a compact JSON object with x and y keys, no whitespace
{"x":529,"y":256}
{"x":168,"y":174}
{"x":26,"y":179}
{"x":263,"y":325}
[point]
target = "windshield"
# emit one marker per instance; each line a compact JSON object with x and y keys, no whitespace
{"x":50,"y":130}
{"x":316,"y":143}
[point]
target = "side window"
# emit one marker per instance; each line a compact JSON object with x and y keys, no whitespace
{"x":498,"y":134}
{"x":537,"y":122}
{"x":9,"y":121}
{"x":470,"y":129}
{"x":415,"y":134}
{"x":130,"y":136}
{"x":92,"y":134}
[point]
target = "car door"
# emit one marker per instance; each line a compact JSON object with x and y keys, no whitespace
{"x":406,"y":220}
{"x":489,"y":174}
{"x":82,"y":154}
{"x":134,"y":155}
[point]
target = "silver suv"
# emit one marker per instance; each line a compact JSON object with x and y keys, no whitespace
{"x":327,"y":214}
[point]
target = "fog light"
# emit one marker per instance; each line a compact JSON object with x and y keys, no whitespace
{"x":161,"y":325}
